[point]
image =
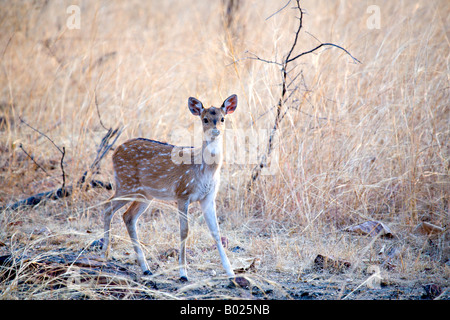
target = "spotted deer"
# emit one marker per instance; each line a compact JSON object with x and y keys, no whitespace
{"x":145,"y":169}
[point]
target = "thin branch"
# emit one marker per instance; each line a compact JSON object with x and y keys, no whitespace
{"x":260,"y":59}
{"x":280,"y":104}
{"x":320,"y":46}
{"x":285,"y":85}
{"x":7,"y":44}
{"x":263,"y":163}
{"x":105,"y":146}
{"x":296,"y":33}
{"x":63,"y":152}
{"x":279,"y":10}
{"x":98,"y":111}
{"x":41,"y":133}
{"x":295,"y":78}
{"x":32,"y":158}
{"x":62,"y":169}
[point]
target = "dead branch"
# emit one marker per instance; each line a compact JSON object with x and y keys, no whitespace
{"x":98,"y":111}
{"x":57,"y":266}
{"x":320,"y":46}
{"x":284,"y":86}
{"x":102,"y":150}
{"x":84,"y":182}
{"x":32,"y":158}
{"x":230,"y":9}
{"x":63,"y":152}
{"x":279,"y":10}
{"x":255,"y":57}
{"x":54,"y":195}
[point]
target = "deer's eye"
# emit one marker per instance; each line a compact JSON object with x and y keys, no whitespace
{"x":222,"y":120}
{"x":205,"y":120}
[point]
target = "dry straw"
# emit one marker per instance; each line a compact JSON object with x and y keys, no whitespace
{"x":358,"y":142}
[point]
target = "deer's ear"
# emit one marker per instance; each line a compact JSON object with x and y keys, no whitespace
{"x":195,"y":106}
{"x":230,"y":104}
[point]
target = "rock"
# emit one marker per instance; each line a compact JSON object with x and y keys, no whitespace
{"x":96,"y":244}
{"x":237,"y":249}
{"x":240,"y":282}
{"x":432,"y":291}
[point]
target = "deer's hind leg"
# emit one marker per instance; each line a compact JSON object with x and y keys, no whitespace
{"x":130,"y":218}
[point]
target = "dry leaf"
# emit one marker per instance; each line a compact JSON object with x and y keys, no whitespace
{"x":169,"y":253}
{"x":371,"y":228}
{"x":428,"y":229}
{"x":330,"y":264}
{"x":247,"y":265}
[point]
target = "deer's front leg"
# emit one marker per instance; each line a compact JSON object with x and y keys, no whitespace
{"x":184,"y":230}
{"x":209,"y":211}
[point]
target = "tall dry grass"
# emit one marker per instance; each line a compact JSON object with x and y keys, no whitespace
{"x":359,"y":141}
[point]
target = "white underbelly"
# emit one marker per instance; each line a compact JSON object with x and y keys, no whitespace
{"x":160,"y":194}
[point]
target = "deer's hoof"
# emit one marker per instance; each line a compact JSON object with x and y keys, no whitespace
{"x":147,"y":273}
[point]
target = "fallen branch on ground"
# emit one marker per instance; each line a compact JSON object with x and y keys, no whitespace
{"x":66,"y":267}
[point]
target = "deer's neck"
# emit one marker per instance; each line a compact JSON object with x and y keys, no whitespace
{"x":212,"y":154}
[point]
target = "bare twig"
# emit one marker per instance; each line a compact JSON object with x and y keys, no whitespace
{"x":102,"y":150}
{"x":98,"y":111}
{"x":63,"y":152}
{"x":232,"y":7}
{"x":263,"y":163}
{"x":279,"y":10}
{"x":255,"y":57}
{"x":42,"y":134}
{"x":62,"y":168}
{"x":300,"y":25}
{"x":284,"y":87}
{"x":320,"y":46}
{"x":32,"y":158}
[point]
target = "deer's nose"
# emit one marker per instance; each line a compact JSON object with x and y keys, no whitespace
{"x":215,"y":132}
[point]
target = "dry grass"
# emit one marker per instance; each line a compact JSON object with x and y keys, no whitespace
{"x":360,"y":142}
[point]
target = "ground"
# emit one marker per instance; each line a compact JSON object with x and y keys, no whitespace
{"x":43,"y":263}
